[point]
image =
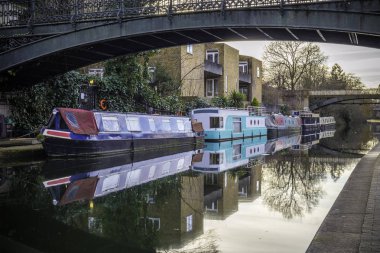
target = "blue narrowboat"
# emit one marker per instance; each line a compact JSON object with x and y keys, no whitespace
{"x":227,"y":124}
{"x":77,"y":132}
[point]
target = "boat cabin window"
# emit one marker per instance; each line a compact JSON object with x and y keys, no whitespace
{"x":236,"y":124}
{"x":62,"y":124}
{"x":133,"y":124}
{"x":166,"y":125}
{"x":216,"y":158}
{"x":110,"y":124}
{"x":152,"y":125}
{"x":110,"y":182}
{"x":216,"y":122}
{"x":180,"y":125}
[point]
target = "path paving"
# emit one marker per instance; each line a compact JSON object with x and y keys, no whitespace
{"x":353,"y":222}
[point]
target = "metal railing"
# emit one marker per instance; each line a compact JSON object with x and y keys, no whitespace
{"x":32,"y":12}
{"x":345,"y":92}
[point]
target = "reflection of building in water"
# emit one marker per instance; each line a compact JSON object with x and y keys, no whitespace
{"x":220,"y":195}
{"x":178,"y":217}
{"x":250,"y":183}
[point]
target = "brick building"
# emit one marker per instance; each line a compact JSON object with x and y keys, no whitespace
{"x":210,"y":70}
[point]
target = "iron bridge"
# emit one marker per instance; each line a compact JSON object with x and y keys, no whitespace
{"x":42,"y":38}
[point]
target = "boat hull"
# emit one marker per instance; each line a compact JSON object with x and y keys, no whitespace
{"x":70,"y":147}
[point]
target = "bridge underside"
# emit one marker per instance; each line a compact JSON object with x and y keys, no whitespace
{"x":55,"y":49}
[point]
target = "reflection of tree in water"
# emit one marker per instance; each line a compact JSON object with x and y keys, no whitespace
{"x":292,"y":185}
{"x":293,"y":181}
{"x":206,"y":243}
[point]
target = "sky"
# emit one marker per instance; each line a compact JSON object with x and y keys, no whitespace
{"x":362,"y":61}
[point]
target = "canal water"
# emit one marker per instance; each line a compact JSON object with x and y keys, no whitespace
{"x":250,"y":195}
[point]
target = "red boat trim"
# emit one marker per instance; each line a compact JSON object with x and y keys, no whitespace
{"x":59,"y":134}
{"x":64,"y":180}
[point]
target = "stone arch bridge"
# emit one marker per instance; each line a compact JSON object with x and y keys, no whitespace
{"x":318,"y":99}
{"x":39,"y":39}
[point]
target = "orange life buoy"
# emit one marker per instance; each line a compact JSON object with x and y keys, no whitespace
{"x":102,"y":104}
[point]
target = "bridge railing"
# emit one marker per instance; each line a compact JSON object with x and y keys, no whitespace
{"x":345,"y":92}
{"x":31,"y":12}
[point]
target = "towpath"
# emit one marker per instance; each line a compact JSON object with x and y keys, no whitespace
{"x":353,"y":222}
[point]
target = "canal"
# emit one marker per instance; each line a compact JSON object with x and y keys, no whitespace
{"x":250,"y":195}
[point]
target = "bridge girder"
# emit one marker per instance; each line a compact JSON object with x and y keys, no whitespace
{"x":73,"y":47}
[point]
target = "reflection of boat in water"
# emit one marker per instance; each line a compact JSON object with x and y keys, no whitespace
{"x":112,"y":177}
{"x":76,"y":132}
{"x":282,"y":143}
{"x":222,"y":156}
{"x":311,"y":138}
{"x":281,"y":125}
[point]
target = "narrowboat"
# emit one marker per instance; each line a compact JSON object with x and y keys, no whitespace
{"x":222,"y":156}
{"x":110,"y":177}
{"x":280,"y":125}
{"x":228,"y":124}
{"x":310,"y":121}
{"x":77,"y":132}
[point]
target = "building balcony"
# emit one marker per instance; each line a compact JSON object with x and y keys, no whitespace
{"x":245,"y":77}
{"x":213,"y":69}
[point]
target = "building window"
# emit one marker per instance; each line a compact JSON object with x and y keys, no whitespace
{"x":189,"y":223}
{"x":212,"y":56}
{"x":243,"y":67}
{"x":152,"y":74}
{"x":213,"y":207}
{"x":96,"y":72}
{"x":216,"y":122}
{"x":244,"y":90}
{"x":211,"y":87}
{"x":216,"y":158}
{"x":236,"y":124}
{"x":189,"y":49}
{"x":258,"y":72}
{"x":211,"y":179}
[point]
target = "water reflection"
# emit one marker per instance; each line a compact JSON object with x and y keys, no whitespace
{"x":150,"y":201}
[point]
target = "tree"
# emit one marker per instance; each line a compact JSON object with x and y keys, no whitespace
{"x":287,"y":63}
{"x":340,"y":80}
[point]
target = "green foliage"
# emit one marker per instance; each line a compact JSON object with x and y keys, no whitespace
{"x":219,"y":102}
{"x":164,"y":84}
{"x":196,"y":103}
{"x":126,"y":87}
{"x":31,"y":107}
{"x":235,"y":99}
{"x":284,"y":109}
{"x":255,"y":102}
